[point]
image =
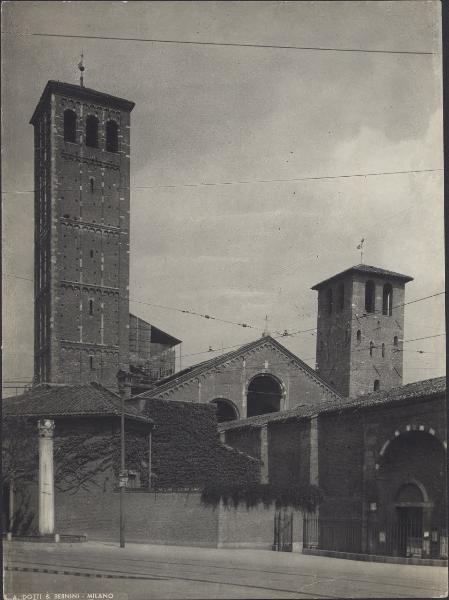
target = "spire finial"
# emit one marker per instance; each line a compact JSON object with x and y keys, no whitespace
{"x":360,"y":247}
{"x":81,"y":68}
{"x":266,"y":331}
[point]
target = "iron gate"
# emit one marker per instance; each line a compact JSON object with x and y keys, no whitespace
{"x":283,"y":531}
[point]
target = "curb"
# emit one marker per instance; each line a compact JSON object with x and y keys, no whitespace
{"x":80,"y":574}
{"x":394,"y":560}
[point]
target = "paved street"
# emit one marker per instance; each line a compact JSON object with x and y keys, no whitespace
{"x":142,"y":572}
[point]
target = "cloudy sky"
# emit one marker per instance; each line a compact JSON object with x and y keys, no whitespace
{"x":244,"y":116}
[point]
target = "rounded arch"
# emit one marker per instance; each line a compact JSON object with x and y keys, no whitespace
{"x":226,"y":410}
{"x":370,"y":297}
{"x":264,"y":394}
{"x":70,"y":125}
{"x":411,"y":492}
{"x":111,"y":136}
{"x":92,"y":124}
{"x":407,"y":430}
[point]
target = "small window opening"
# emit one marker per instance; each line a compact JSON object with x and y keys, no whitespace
{"x":369,"y":297}
{"x":91,"y":185}
{"x":92,"y":131}
{"x":359,"y":336}
{"x":387,"y":305}
{"x":91,"y":307}
{"x":395,"y":340}
{"x":91,"y":253}
{"x":91,"y":363}
{"x":376,"y":385}
{"x":371,"y":348}
{"x":341,"y":297}
{"x":330,"y":301}
{"x":383,"y":350}
{"x":69,"y":126}
{"x":111,"y":136}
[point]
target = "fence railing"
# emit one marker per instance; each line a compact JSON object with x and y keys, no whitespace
{"x":406,"y":538}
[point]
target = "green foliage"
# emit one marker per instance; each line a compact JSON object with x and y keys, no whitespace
{"x":306,"y":497}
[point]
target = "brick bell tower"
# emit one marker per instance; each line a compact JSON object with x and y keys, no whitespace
{"x":82,"y":202}
{"x":360,"y":329}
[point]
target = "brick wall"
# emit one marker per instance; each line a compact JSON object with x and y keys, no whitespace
{"x":289,"y":453}
{"x":343,"y":359}
{"x":232,"y":380}
{"x":176,"y":518}
{"x":245,"y":439}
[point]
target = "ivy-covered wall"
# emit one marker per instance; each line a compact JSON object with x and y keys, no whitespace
{"x":186,"y":449}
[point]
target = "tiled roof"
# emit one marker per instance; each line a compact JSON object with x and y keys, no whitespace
{"x":195,"y":370}
{"x":86,"y":400}
{"x":366,"y":269}
{"x":419,"y":389}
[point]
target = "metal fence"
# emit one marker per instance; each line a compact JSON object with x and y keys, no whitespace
{"x":406,"y":538}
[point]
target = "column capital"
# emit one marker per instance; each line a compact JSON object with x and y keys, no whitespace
{"x":45,"y":428}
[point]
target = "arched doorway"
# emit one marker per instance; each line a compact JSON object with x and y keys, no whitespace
{"x":226,"y":411}
{"x":264,"y":395}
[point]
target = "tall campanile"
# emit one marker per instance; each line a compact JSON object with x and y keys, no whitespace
{"x":82,"y":203}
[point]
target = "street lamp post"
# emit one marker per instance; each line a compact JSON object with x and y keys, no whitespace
{"x":122,"y":379}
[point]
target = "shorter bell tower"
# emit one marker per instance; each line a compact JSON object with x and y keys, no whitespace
{"x":360,"y":329}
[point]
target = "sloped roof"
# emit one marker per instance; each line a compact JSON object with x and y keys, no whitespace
{"x":364,"y":269}
{"x":427,"y":388}
{"x":158,"y":336}
{"x":87,"y":400}
{"x":191,"y":372}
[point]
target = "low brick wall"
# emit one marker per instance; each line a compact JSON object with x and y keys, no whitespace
{"x":253,"y":528}
{"x":173,"y":518}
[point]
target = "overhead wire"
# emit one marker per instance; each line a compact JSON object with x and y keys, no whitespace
{"x":220,"y":44}
{"x":254,"y":181}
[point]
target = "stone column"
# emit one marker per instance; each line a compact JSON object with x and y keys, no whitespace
{"x":314,"y":528}
{"x":264,"y":478}
{"x":46,"y":478}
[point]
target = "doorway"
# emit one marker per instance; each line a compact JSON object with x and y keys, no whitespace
{"x":410,"y":530}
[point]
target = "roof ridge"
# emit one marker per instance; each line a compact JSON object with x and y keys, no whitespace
{"x":200,"y":367}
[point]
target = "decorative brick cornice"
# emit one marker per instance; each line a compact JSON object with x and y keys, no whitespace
{"x":105,"y":164}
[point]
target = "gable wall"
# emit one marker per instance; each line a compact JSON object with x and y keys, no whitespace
{"x":231,"y":380}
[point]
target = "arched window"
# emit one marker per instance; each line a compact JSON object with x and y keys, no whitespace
{"x":226,"y":411}
{"x":341,"y":297}
{"x":371,"y":348}
{"x":91,"y":307}
{"x":329,"y":301}
{"x":91,"y":253}
{"x":91,"y":181}
{"x":395,"y":340}
{"x":369,"y":297}
{"x":69,"y":126}
{"x":92,"y":131}
{"x":91,"y":363}
{"x":376,"y":385}
{"x":383,"y":350}
{"x":359,"y":336}
{"x":387,"y":305}
{"x":111,"y":136}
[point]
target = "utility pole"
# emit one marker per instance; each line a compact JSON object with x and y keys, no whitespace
{"x":122,"y":380}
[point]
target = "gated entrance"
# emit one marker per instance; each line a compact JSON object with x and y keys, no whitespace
{"x":283,"y":531}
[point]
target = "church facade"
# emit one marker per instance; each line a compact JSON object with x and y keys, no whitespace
{"x":374,"y":447}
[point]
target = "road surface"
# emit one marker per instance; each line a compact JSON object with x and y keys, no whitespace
{"x":100,"y":570}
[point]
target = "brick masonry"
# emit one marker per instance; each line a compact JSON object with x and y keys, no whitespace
{"x":82,"y":241}
{"x":232,"y":379}
{"x":345,"y":333}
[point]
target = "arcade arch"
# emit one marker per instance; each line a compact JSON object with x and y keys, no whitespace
{"x":264,"y":395}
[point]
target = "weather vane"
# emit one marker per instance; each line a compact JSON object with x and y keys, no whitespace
{"x":360,"y":247}
{"x":81,"y":68}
